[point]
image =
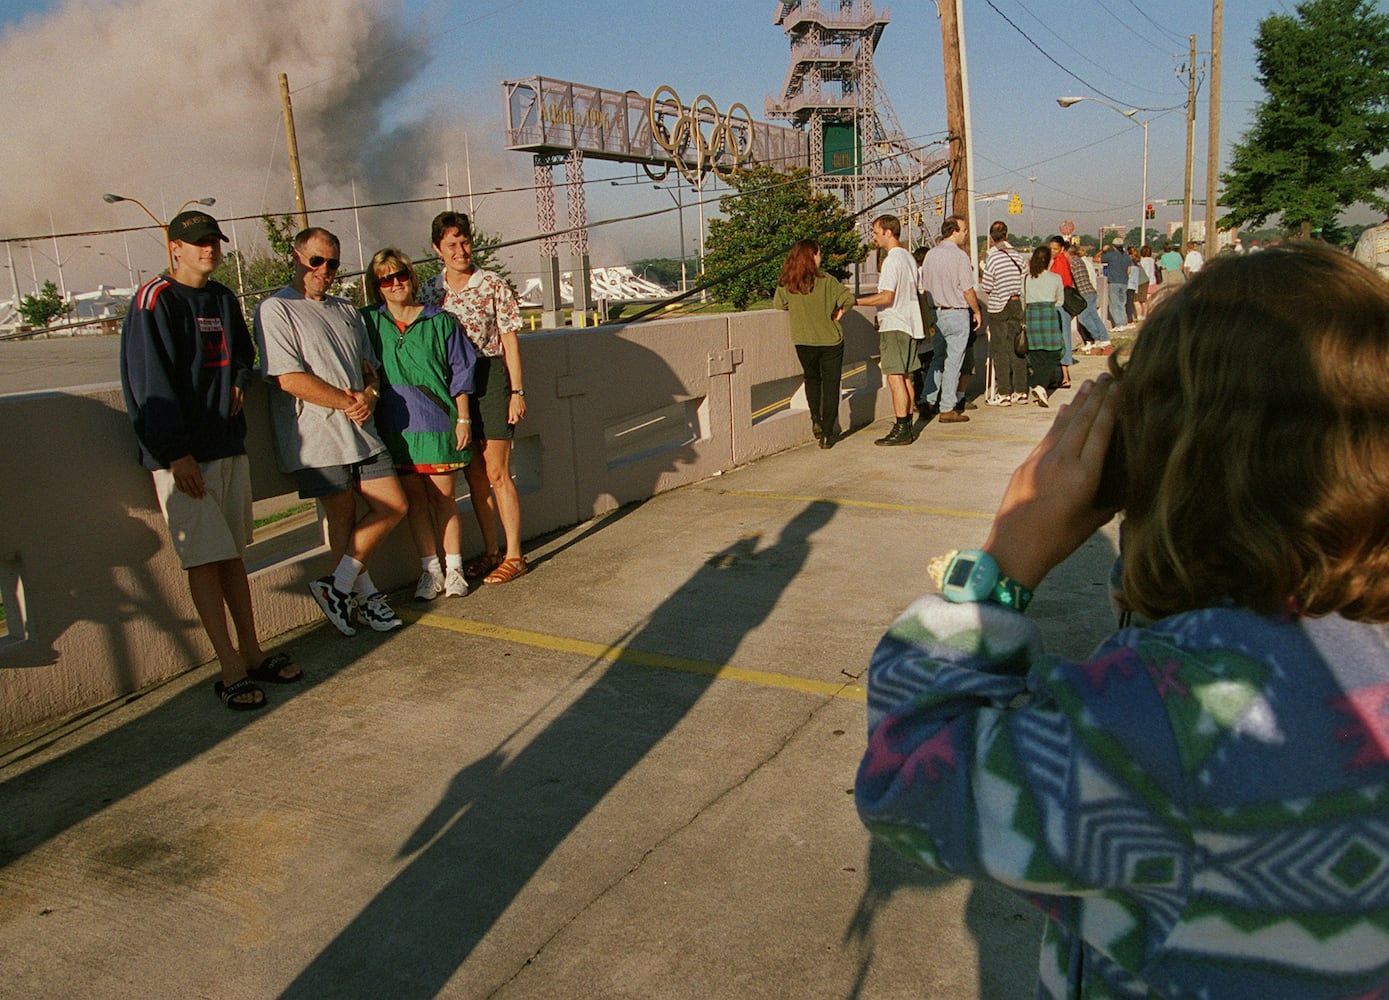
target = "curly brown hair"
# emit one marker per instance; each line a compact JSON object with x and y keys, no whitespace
{"x":1253,"y":429}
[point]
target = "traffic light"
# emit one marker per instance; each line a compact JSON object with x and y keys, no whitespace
{"x":940,"y":204}
{"x":1150,"y":214}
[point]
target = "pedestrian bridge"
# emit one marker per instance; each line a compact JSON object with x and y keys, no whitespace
{"x":624,"y":775}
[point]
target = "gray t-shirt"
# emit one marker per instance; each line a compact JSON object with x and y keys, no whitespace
{"x":328,"y":340}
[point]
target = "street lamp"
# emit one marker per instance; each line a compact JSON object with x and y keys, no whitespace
{"x":1130,"y":114}
{"x":111,"y":199}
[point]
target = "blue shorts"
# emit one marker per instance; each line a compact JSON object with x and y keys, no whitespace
{"x":334,"y":479}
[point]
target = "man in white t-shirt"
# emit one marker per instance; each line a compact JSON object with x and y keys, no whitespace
{"x":1194,"y":260}
{"x":899,"y":324}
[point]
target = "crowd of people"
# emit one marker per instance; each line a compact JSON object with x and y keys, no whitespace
{"x":932,"y":306}
{"x":383,"y":404}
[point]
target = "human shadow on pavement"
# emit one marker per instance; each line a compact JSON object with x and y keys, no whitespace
{"x":504,"y":814}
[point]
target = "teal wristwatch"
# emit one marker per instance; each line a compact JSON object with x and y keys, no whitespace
{"x":972,"y":576}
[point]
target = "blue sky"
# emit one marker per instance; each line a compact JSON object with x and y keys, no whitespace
{"x":432,"y":68}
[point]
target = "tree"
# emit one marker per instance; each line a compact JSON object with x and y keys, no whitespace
{"x":43,"y":308}
{"x":257,"y":275}
{"x":771,"y":211}
{"x":1308,"y":153}
{"x":663,"y":271}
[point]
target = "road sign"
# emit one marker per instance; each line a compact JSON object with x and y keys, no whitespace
{"x":1067,"y":228}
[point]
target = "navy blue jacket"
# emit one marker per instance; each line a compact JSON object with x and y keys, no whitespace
{"x":182,"y":351}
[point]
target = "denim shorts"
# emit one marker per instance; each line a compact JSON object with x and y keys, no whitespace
{"x":334,"y":479}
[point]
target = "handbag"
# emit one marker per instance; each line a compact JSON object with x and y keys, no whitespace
{"x":1073,"y":302}
{"x":1020,"y":338}
{"x":928,"y":312}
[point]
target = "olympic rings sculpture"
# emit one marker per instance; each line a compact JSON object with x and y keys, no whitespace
{"x":725,"y":150}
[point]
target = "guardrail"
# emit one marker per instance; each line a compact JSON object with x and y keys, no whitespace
{"x":97,"y":606}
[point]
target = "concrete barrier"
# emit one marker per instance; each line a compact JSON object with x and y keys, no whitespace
{"x":97,"y":606}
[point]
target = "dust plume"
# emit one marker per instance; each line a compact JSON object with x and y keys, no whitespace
{"x":166,"y":101}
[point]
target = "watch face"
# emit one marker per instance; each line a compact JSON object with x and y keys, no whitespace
{"x":960,"y":570}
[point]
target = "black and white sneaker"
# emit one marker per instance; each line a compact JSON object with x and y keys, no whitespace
{"x":336,"y":606}
{"x":378,"y":614}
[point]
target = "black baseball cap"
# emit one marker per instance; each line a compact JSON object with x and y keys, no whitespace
{"x":190,"y":227}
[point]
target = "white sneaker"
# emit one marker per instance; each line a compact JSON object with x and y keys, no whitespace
{"x":378,"y":614}
{"x":1040,"y":394}
{"x":430,"y":586}
{"x":454,"y":584}
{"x":336,"y":606}
{"x":1020,"y":398}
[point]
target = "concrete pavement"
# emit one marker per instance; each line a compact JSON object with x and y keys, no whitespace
{"x":625,"y":775}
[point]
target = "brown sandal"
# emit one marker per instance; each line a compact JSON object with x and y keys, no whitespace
{"x":507,"y":570}
{"x":483,"y":564}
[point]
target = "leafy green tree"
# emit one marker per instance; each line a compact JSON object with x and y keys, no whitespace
{"x":43,"y":308}
{"x":1308,"y":153}
{"x":662,"y":270}
{"x":257,"y":275}
{"x":770,"y":211}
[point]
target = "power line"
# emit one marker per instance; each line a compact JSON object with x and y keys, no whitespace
{"x":1059,"y":65}
{"x":1164,"y":29}
{"x":1130,"y":29}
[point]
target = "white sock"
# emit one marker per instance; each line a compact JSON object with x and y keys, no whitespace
{"x":345,"y":576}
{"x":453,"y":561}
{"x":364,"y":586}
{"x":430,"y":565}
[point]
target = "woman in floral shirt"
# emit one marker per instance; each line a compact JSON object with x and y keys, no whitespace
{"x":485,"y":307}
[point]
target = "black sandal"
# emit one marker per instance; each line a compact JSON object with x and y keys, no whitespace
{"x":270,"y":670}
{"x":230,"y":692}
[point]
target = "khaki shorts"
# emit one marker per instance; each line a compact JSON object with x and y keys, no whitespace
{"x":898,"y":353}
{"x":217,"y":527}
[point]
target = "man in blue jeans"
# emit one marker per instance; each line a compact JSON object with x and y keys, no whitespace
{"x":949,"y":276}
{"x":1117,"y":264}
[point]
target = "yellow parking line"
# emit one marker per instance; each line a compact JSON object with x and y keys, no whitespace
{"x":839,"y":501}
{"x":637,"y":657}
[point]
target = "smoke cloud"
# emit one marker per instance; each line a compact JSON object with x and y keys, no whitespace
{"x":166,"y":101}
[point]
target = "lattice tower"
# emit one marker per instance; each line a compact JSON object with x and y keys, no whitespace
{"x":831,"y":81}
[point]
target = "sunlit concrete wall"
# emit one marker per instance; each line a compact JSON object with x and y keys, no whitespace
{"x":98,"y":607}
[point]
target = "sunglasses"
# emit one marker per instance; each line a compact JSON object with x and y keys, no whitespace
{"x":398,"y":278}
{"x":315,"y":262}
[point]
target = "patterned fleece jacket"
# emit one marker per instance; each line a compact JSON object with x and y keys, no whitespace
{"x":1200,"y":808}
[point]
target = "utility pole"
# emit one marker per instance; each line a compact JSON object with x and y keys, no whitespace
{"x":1190,"y":140}
{"x":954,"y":107}
{"x":293,"y":144}
{"x":1213,"y":143}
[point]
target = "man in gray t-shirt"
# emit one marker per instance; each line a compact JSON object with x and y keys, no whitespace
{"x":315,"y":354}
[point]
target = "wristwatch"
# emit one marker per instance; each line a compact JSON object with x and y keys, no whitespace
{"x":519,"y":392}
{"x":972,"y":576}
